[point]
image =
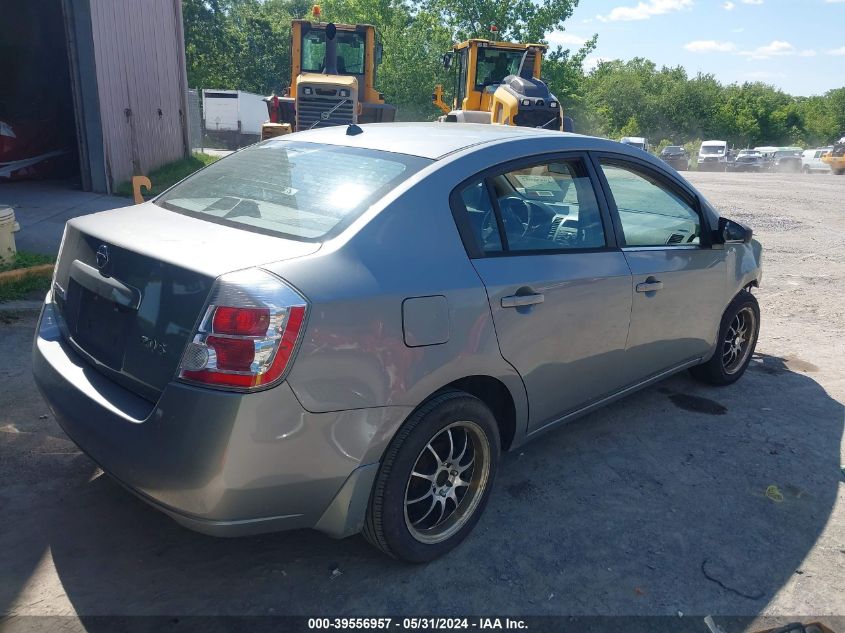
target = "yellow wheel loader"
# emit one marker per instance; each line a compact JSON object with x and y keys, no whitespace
{"x":836,"y":158}
{"x":499,"y":83}
{"x":332,"y":79}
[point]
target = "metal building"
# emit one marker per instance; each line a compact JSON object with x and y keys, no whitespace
{"x":98,"y":87}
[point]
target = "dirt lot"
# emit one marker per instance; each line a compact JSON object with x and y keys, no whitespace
{"x":654,"y":506}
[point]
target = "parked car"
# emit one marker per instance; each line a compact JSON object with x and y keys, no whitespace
{"x":713,"y":156}
{"x":787,"y":160}
{"x":748,"y":160}
{"x":342,"y":328}
{"x":676,"y":156}
{"x":811,"y":160}
{"x":636,"y":141}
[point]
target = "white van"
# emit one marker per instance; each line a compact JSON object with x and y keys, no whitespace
{"x":811,"y":160}
{"x":713,"y":156}
{"x":636,"y":141}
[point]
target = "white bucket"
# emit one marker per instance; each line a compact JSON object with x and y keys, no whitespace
{"x":8,"y":228}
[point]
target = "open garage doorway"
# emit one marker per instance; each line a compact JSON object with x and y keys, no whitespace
{"x":38,"y":130}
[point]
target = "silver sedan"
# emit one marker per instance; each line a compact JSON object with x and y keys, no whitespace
{"x":343,"y":328}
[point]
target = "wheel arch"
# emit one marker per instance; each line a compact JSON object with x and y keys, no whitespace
{"x":498,"y":398}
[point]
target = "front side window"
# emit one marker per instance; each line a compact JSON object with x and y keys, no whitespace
{"x":304,"y":191}
{"x":650,"y":212}
{"x":545,"y":207}
{"x":350,"y":52}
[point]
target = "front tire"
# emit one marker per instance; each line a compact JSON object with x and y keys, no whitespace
{"x":435,"y":479}
{"x":738,"y":334}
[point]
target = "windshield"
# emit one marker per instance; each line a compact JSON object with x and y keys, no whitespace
{"x":494,"y":65}
{"x":673,"y":149}
{"x":350,"y":52}
{"x":304,"y":191}
{"x":712,"y":149}
{"x":786,"y":153}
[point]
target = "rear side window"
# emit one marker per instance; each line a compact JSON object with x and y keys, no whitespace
{"x":482,"y":218}
{"x":651,"y":213}
{"x":304,"y":191}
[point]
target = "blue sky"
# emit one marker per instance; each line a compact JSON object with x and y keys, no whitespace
{"x":797,"y":45}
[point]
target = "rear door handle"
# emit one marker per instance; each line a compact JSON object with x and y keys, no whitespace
{"x":517,"y":301}
{"x":651,"y":285}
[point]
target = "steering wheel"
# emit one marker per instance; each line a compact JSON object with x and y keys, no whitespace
{"x":510,"y":208}
{"x":516,"y":214}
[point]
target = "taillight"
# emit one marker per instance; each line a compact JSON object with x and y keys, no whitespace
{"x":248,"y":334}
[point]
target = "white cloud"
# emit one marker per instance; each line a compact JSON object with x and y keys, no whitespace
{"x":777,"y":48}
{"x":728,"y":6}
{"x":709,"y":46}
{"x":807,"y":53}
{"x":739,"y":30}
{"x":751,"y":1}
{"x":644,"y":10}
{"x":837,"y":51}
{"x":562,"y":38}
{"x":592,"y":61}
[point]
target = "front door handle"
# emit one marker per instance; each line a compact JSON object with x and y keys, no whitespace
{"x":518,"y":301}
{"x":650,"y":285}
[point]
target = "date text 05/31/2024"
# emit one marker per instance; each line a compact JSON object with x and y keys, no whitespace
{"x":414,"y":624}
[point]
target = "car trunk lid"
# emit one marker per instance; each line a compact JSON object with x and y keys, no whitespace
{"x":131,"y":285}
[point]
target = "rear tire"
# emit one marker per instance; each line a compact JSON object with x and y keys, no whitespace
{"x":435,"y":479}
{"x":738,"y":334}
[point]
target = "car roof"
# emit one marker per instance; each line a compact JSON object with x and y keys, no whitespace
{"x":428,"y":140}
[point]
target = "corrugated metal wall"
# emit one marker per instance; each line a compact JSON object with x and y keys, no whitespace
{"x":140,"y":60}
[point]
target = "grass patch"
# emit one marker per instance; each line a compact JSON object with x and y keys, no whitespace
{"x":38,"y":281}
{"x":23,"y":288}
{"x":168,"y":175}
{"x":24,"y":259}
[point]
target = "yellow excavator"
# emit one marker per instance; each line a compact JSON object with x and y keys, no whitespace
{"x":499,"y":83}
{"x":332,"y":79}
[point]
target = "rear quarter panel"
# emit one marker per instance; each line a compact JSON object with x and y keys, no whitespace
{"x":354,"y":352}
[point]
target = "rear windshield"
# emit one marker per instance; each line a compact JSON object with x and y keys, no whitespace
{"x":304,"y":191}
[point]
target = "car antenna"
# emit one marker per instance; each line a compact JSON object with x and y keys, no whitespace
{"x":353,"y":130}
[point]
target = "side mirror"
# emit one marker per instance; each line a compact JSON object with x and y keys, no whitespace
{"x":447,"y":60}
{"x":732,"y":232}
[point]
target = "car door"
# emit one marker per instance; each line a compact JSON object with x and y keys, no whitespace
{"x":559,"y":288}
{"x":679,"y":280}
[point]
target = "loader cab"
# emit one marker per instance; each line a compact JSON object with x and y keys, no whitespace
{"x":332,"y":79}
{"x":358,"y":53}
{"x":483,"y":65}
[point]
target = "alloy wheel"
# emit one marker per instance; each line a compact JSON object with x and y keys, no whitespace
{"x":738,"y":340}
{"x":447,"y":482}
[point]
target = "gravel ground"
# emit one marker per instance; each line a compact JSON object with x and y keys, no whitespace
{"x":654,"y":506}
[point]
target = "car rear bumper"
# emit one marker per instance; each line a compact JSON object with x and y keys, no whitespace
{"x":221,"y":463}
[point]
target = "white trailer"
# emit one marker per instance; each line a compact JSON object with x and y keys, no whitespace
{"x":232,"y":114}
